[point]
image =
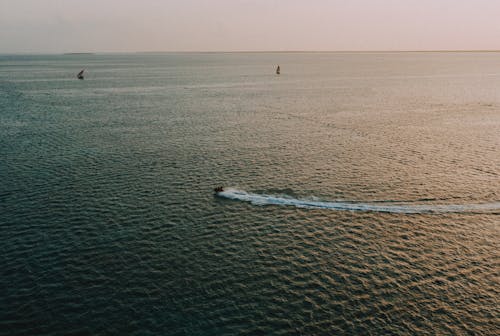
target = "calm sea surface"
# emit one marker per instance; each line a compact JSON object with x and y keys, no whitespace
{"x":363,"y":194}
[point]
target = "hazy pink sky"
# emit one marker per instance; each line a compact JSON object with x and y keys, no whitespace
{"x":236,"y":25}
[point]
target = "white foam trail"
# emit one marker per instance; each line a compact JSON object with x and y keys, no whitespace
{"x":259,"y":199}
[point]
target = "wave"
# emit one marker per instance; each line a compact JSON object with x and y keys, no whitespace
{"x":315,"y":203}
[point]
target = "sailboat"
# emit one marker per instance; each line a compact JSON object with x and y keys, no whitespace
{"x":80,"y":74}
{"x":278,"y":70}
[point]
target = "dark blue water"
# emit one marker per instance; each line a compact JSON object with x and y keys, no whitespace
{"x":363,"y":194}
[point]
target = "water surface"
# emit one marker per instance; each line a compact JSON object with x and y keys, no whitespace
{"x":109,"y":224}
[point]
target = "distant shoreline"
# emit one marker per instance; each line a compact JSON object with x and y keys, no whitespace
{"x":256,"y":52}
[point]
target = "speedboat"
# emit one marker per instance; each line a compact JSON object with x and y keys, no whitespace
{"x":218,"y":189}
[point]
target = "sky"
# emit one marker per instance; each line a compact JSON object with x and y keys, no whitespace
{"x":58,"y":26}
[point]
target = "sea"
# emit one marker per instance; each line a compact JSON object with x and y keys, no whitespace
{"x":361,"y":194}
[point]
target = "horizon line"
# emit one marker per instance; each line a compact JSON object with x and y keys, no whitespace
{"x":252,"y":51}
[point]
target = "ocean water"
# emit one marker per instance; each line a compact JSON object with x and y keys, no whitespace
{"x":362,"y":194}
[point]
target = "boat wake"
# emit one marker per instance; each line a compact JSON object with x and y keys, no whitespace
{"x":314,"y":203}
